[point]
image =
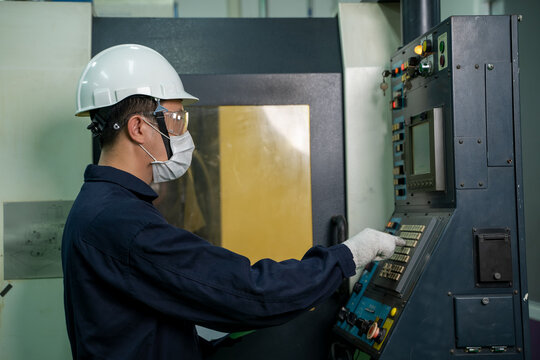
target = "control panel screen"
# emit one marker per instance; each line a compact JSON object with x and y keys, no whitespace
{"x":424,"y":151}
{"x":421,"y":149}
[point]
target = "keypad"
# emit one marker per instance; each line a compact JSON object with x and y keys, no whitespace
{"x":396,"y":265}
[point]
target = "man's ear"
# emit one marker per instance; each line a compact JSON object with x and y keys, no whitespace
{"x":136,"y":129}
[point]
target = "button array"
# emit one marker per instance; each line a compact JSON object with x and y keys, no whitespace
{"x":416,"y":228}
{"x":394,"y":267}
{"x":411,"y":234}
{"x":389,"y":275}
{"x":402,"y":250}
{"x":411,"y":243}
{"x":420,"y":184}
{"x":400,"y":258}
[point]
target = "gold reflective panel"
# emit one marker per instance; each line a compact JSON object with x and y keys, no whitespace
{"x":249,"y":185}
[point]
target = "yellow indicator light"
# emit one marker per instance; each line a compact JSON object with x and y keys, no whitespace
{"x":393,"y":312}
{"x":418,"y":49}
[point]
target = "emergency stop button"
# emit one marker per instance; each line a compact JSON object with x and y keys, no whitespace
{"x":373,"y":331}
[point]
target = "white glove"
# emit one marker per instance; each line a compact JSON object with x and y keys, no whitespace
{"x":372,"y":245}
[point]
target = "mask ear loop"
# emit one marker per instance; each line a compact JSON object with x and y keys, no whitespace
{"x":160,"y":117}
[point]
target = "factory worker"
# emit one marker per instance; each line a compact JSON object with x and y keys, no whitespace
{"x":135,"y":286}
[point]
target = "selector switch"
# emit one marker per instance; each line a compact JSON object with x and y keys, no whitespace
{"x":426,"y":68}
{"x":351,"y":318}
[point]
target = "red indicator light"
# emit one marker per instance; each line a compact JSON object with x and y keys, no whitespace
{"x":394,"y":104}
{"x":402,"y":67}
{"x":397,"y":70}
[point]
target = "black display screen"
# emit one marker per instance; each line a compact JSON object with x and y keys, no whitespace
{"x":421,"y":149}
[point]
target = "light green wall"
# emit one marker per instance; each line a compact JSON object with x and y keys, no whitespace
{"x":370,"y":33}
{"x":43,"y":151}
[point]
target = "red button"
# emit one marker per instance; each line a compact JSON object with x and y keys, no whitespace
{"x":373,"y":331}
{"x":442,"y":60}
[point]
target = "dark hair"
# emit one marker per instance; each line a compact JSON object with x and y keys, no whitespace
{"x":117,"y":115}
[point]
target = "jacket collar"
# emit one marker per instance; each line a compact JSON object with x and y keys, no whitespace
{"x":96,"y":173}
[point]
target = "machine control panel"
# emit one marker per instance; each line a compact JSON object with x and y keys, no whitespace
{"x":412,"y":300}
{"x":384,"y":287}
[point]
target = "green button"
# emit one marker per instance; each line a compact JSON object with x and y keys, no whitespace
{"x":441,"y":46}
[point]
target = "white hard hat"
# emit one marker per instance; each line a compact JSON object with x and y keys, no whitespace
{"x":124,"y":70}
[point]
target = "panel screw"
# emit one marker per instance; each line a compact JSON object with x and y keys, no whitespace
{"x":480,"y":184}
{"x":497,"y":276}
{"x":515,"y":292}
{"x":485,"y":301}
{"x":476,"y":66}
{"x":490,"y":66}
{"x":452,"y":351}
{"x":479,"y":141}
{"x":520,"y":18}
{"x":449,"y":293}
{"x":458,"y":66}
{"x":509,"y":161}
{"x":460,"y":141}
{"x":518,"y":349}
{"x":462,"y":184}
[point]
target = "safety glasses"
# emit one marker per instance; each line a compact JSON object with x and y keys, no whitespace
{"x":176,"y":122}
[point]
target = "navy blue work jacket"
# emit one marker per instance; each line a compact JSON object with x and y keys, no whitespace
{"x":135,"y":286}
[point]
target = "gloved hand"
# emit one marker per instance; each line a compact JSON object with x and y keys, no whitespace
{"x":372,"y":245}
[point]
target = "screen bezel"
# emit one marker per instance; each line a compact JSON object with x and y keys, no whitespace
{"x":435,"y":180}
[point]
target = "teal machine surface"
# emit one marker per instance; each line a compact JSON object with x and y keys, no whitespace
{"x":458,"y":288}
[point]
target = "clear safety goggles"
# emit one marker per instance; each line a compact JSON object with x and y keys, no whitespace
{"x":176,"y":122}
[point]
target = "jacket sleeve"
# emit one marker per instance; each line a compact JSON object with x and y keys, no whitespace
{"x":181,"y":275}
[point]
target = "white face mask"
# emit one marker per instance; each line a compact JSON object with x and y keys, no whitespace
{"x":182,"y":149}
